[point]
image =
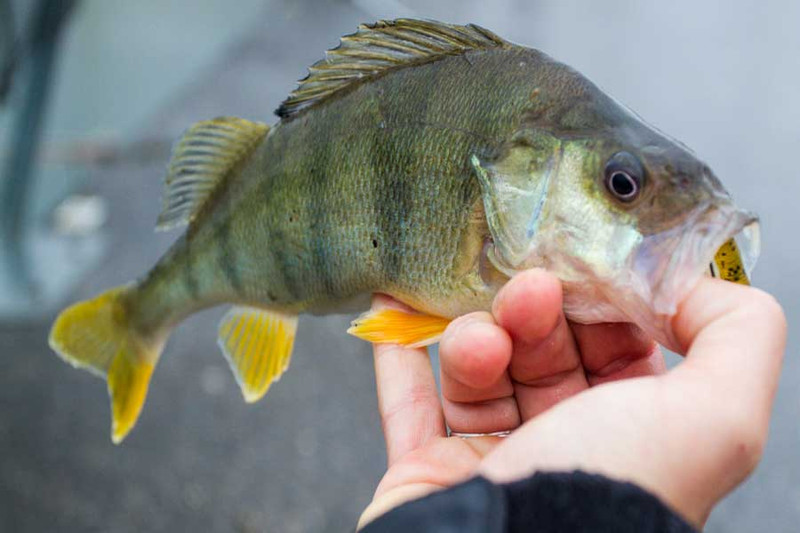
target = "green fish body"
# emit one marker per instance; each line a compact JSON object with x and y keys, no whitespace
{"x":421,"y":160}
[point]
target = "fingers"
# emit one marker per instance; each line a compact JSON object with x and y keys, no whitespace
{"x":408,"y":400}
{"x":689,"y":436}
{"x":475,"y":355}
{"x":477,"y":393}
{"x":528,"y":335}
{"x":735,"y":338}
{"x":548,"y":359}
{"x":545,"y":365}
{"x":610,"y":352}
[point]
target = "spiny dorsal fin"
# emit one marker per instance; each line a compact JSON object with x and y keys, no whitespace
{"x":380,"y":47}
{"x":203,"y":157}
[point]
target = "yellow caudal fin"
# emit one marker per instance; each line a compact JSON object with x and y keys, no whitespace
{"x":95,"y":335}
{"x":399,"y":327}
{"x":258,"y":346}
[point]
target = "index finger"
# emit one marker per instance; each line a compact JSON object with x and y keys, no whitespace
{"x":408,"y":400}
{"x":545,"y":363}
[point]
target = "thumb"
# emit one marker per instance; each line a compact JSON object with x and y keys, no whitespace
{"x":734,"y":337}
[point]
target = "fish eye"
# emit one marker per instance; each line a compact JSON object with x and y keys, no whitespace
{"x":624,"y":177}
{"x":623,"y":185}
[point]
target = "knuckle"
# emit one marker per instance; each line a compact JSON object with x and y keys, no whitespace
{"x":768,"y":306}
{"x":745,"y":441}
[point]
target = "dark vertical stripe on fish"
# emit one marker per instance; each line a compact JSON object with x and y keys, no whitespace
{"x":280,"y":256}
{"x":227,"y":255}
{"x":318,"y":212}
{"x":393,"y":156}
{"x":285,"y":264}
{"x":189,"y":276}
{"x":227,"y":258}
{"x":392,"y":198}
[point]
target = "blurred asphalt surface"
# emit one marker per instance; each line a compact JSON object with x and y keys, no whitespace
{"x":722,"y":78}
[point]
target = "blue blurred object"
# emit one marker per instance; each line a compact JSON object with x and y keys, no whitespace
{"x":7,"y":48}
{"x":32,"y":59}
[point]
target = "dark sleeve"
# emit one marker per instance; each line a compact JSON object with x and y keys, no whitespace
{"x":545,"y":502}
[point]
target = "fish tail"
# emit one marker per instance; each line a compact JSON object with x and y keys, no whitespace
{"x":97,"y":335}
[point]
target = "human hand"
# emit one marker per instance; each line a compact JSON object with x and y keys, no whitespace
{"x":688,"y":436}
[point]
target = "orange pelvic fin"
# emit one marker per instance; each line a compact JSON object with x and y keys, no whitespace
{"x":399,"y":327}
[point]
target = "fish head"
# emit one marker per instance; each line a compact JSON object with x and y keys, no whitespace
{"x":626,"y":217}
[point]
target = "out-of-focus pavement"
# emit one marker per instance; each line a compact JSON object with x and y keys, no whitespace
{"x":720,"y":76}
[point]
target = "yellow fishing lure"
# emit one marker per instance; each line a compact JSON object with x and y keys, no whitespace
{"x":728,"y":264}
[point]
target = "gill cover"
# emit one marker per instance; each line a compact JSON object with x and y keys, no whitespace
{"x":514,"y":189}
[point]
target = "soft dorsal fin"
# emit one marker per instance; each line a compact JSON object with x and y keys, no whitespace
{"x":378,"y":48}
{"x":203,"y":157}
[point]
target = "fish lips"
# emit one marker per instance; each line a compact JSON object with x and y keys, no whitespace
{"x":666,"y":266}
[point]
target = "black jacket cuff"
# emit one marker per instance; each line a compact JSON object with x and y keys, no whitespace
{"x":544,"y":502}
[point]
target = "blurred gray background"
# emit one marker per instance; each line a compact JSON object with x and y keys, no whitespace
{"x":722,"y":76}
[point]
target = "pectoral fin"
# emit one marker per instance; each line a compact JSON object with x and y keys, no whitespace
{"x":258,"y":346}
{"x":399,"y":327}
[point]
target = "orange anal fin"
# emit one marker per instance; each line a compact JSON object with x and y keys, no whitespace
{"x":399,"y":327}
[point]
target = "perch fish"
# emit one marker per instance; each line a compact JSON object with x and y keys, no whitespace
{"x":429,"y":162}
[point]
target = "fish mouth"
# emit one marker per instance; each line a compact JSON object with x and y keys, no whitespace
{"x":667,"y":265}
